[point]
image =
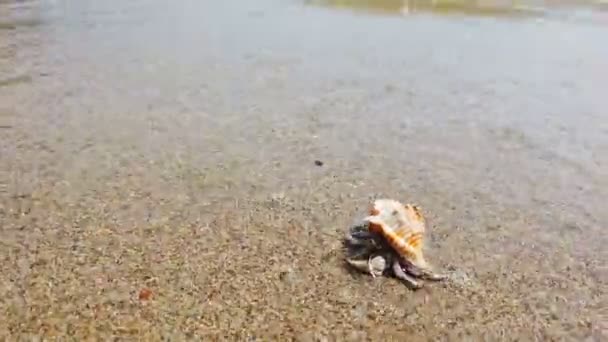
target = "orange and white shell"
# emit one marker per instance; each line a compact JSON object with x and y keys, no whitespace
{"x":403,"y":227}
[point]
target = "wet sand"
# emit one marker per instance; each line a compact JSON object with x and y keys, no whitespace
{"x":172,"y":147}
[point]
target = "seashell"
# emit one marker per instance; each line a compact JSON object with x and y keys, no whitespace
{"x":402,"y":226}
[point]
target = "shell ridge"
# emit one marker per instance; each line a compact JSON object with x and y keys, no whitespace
{"x":402,"y":226}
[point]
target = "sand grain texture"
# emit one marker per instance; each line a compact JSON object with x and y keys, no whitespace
{"x":159,"y":180}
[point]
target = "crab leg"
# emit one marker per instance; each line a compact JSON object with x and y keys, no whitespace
{"x":360,"y":236}
{"x":360,"y":265}
{"x":363,"y":234}
{"x":355,"y":240}
{"x":423,"y":273}
{"x":434,"y":276}
{"x":409,"y":281}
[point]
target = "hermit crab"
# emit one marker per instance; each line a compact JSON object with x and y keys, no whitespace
{"x":389,"y":242}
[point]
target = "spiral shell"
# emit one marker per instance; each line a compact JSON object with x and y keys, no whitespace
{"x":403,"y":227}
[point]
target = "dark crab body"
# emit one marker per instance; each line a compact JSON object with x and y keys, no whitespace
{"x":370,"y":253}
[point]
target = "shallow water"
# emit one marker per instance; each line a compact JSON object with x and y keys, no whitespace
{"x":466,"y":7}
{"x":173,"y":146}
{"x":495,"y":8}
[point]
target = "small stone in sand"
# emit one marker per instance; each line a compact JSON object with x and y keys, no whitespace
{"x":145,"y":294}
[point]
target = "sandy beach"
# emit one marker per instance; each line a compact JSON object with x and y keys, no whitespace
{"x":187,"y":171}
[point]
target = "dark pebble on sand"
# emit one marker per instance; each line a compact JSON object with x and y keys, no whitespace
{"x":318,"y":163}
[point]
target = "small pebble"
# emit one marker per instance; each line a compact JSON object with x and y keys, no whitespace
{"x":145,"y":294}
{"x":288,"y":276}
{"x":318,"y":163}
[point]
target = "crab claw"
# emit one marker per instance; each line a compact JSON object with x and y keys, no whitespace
{"x":376,"y":264}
